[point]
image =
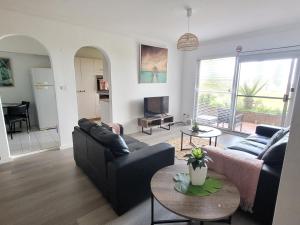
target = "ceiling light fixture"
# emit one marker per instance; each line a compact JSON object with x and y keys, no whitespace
{"x":188,"y":41}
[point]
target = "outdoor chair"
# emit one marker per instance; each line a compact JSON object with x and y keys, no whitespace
{"x":224,"y":116}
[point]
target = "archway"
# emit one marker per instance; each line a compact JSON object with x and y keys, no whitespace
{"x":93,"y":84}
{"x":27,"y":91}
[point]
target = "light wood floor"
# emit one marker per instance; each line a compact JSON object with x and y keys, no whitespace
{"x":48,"y":189}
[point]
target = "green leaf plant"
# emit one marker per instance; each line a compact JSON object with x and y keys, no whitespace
{"x":249,"y":91}
{"x":198,"y":158}
{"x":195,"y":127}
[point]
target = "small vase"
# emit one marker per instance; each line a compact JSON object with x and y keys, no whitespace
{"x":198,"y":175}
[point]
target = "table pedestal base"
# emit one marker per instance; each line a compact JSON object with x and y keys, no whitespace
{"x":193,"y":145}
{"x":190,"y":222}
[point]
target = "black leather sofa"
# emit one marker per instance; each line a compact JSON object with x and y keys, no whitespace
{"x":123,"y":178}
{"x":268,"y":144}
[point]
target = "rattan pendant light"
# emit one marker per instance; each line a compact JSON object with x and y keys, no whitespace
{"x":188,"y":41}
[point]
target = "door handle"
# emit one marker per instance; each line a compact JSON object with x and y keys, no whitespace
{"x":285,"y":97}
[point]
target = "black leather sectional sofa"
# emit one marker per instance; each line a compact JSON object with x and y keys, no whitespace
{"x":268,"y":144}
{"x":120,"y":166}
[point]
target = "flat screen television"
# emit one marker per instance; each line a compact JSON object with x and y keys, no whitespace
{"x":154,"y":106}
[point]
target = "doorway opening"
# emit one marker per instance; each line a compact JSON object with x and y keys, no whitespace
{"x":93,"y":86}
{"x":28,"y":96}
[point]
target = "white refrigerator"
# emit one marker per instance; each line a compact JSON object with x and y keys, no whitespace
{"x":44,"y":96}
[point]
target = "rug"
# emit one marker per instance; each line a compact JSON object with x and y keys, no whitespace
{"x":186,"y":144}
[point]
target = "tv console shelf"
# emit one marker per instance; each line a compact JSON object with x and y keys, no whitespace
{"x":163,"y":121}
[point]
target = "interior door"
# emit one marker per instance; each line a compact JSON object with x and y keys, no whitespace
{"x":79,"y":88}
{"x":89,"y":93}
{"x":86,"y":88}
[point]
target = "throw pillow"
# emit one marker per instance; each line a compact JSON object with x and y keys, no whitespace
{"x":286,"y":130}
{"x":276,"y":137}
{"x":112,"y":141}
{"x":86,"y":124}
{"x":275,"y":154}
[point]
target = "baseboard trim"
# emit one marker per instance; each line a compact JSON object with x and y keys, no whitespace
{"x":33,"y":153}
{"x":64,"y":147}
{"x":3,"y":161}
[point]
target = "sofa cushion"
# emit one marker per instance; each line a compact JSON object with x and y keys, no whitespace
{"x":112,"y":141}
{"x":248,"y":146}
{"x":135,"y":146}
{"x":86,"y":124}
{"x":258,"y":138}
{"x":275,"y":154}
{"x":276,"y":137}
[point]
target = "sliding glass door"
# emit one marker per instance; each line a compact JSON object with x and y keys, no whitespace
{"x":263,"y":92}
{"x":239,"y":93}
{"x":214,"y":92}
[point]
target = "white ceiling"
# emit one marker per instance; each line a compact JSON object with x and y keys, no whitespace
{"x":165,"y":19}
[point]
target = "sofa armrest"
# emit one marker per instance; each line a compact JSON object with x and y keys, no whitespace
{"x":121,"y":129}
{"x":129,"y":176}
{"x":266,"y":130}
{"x":111,"y":129}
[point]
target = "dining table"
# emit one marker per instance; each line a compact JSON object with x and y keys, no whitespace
{"x":7,"y":105}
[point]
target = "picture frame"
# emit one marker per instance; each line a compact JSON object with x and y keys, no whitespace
{"x":153,"y":64}
{"x":6,"y":74}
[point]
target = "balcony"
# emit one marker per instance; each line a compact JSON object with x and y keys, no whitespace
{"x":245,"y":120}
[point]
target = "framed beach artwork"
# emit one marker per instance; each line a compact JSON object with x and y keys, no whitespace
{"x":6,"y":76}
{"x":153,"y":64}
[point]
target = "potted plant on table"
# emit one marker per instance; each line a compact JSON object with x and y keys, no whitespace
{"x":195,"y":127}
{"x":197,"y":162}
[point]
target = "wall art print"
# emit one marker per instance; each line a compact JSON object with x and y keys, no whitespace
{"x":153,"y":64}
{"x":6,"y":76}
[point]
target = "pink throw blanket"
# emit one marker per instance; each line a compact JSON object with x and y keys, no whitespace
{"x":240,"y":169}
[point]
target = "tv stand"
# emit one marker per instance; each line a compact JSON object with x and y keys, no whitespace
{"x":162,"y":121}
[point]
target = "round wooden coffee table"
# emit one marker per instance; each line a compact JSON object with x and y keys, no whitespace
{"x":215,"y":207}
{"x":206,"y":132}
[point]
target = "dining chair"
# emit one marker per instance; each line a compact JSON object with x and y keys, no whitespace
{"x":27,"y":113}
{"x":15,"y":115}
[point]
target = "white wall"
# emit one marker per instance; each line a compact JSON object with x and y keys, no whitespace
{"x":285,"y":36}
{"x":22,"y":44}
{"x":89,"y":52}
{"x":288,"y":202}
{"x":4,"y":149}
{"x":22,"y":90}
{"x":63,"y":40}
